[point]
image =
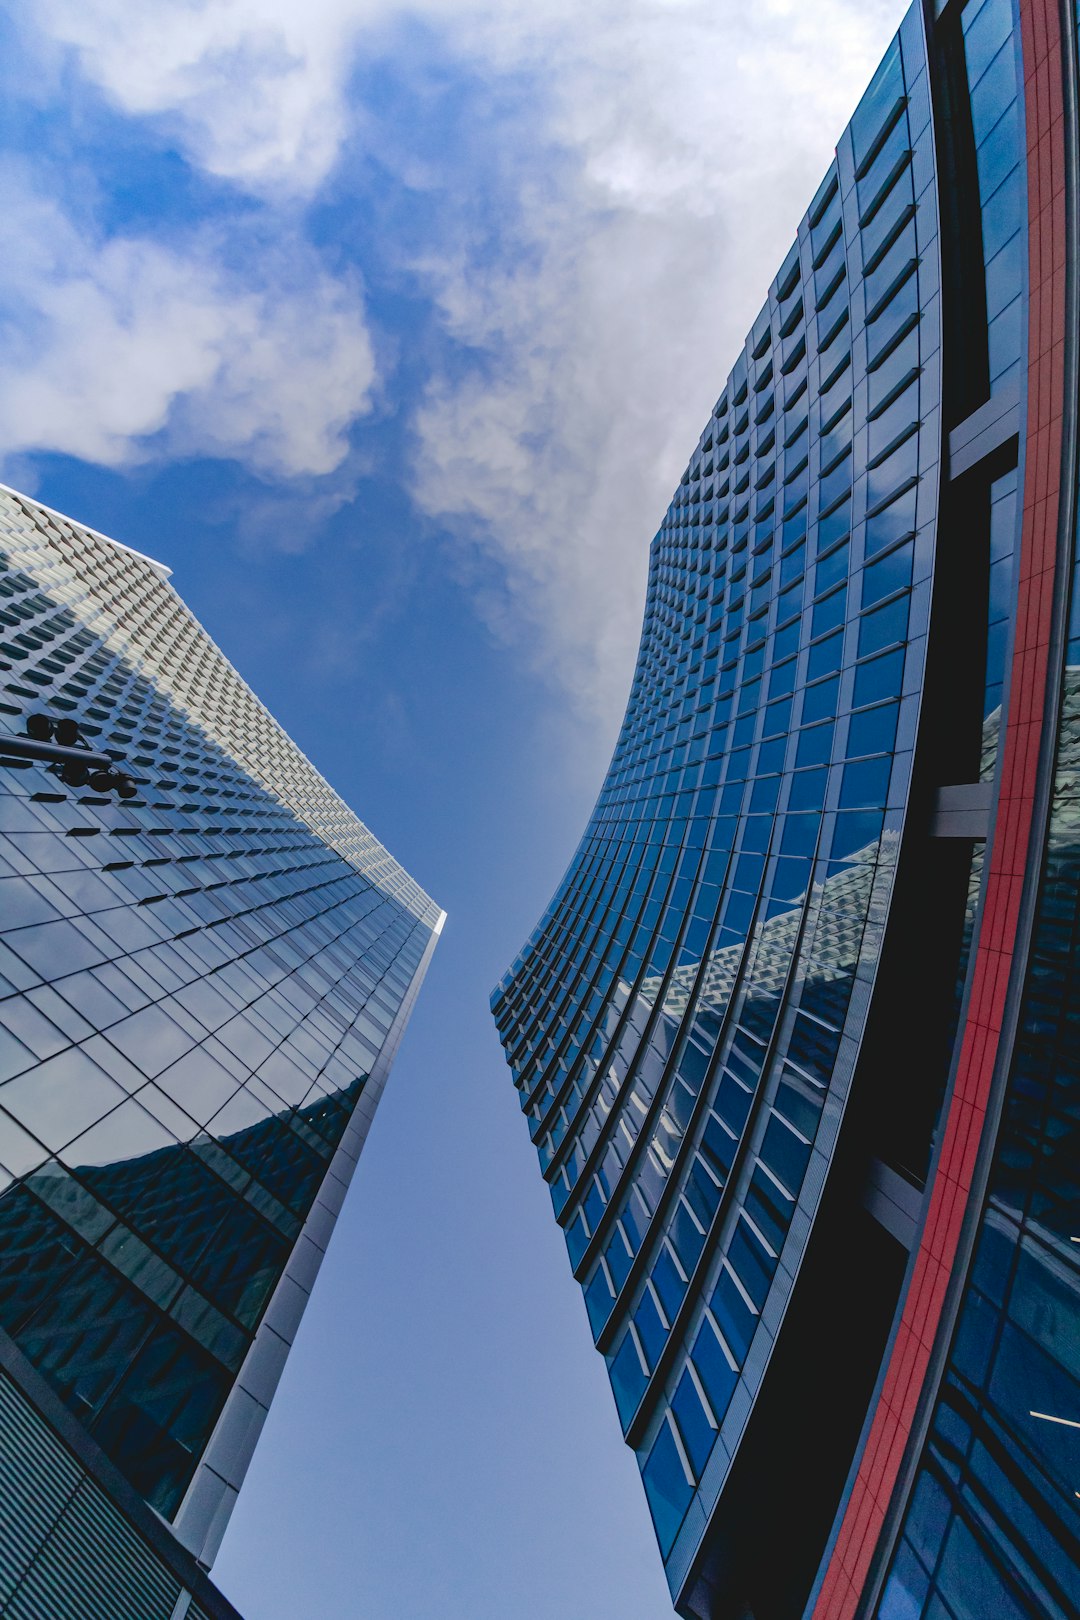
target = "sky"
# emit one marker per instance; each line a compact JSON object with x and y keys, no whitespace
{"x":390,"y":329}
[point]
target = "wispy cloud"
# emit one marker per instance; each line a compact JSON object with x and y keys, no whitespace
{"x":124,"y":348}
{"x":650,"y":161}
{"x":692,"y":135}
{"x":253,"y":91}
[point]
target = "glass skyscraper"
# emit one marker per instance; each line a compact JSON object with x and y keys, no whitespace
{"x":206,"y":965}
{"x":798,"y":1037}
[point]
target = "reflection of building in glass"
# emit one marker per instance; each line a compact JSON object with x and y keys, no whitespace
{"x":844,"y":897}
{"x":206,"y":964}
{"x":794,"y":1036}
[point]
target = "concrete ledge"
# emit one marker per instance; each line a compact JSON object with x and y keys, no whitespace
{"x":985,"y":430}
{"x":962,"y":810}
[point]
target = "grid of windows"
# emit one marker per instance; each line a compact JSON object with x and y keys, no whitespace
{"x":992,"y":1524}
{"x":196,"y":985}
{"x":683,"y":1023}
{"x":991,"y":59}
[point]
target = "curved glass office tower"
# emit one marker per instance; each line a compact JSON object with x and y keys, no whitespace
{"x":206,"y":965}
{"x":795,"y":1036}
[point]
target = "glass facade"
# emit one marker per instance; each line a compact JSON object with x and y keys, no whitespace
{"x":992,"y":1521}
{"x":68,"y":1551}
{"x":735,"y":1031}
{"x":993,"y":1525}
{"x":206,"y":963}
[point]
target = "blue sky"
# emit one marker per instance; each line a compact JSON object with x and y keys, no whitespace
{"x":390,"y":330}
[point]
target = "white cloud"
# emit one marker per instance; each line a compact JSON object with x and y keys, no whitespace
{"x":660,"y":155}
{"x":126,"y":348}
{"x":557,"y":457}
{"x":699,"y":131}
{"x":253,"y":89}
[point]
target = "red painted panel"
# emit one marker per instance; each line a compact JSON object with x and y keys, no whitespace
{"x":962,"y":1128}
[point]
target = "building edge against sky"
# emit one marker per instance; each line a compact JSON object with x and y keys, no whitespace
{"x":796,"y":1038}
{"x":207,"y":963}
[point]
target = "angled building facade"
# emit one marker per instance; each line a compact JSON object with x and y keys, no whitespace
{"x":796,"y":1038}
{"x":206,"y":965}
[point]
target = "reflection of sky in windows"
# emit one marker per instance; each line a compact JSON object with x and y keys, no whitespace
{"x":997,"y":1484}
{"x":990,"y":54}
{"x":194,"y":989}
{"x":682,"y":1025}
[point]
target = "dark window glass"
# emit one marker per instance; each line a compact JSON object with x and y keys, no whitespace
{"x":900,"y":313}
{"x":668,"y":1284}
{"x":873,"y":731}
{"x":883,"y":625}
{"x":651,"y":1331}
{"x":825,"y":656}
{"x":598,"y":1300}
{"x":768,"y":1208}
{"x":717,"y":1375}
{"x":894,"y":522}
{"x":969,"y":1582}
{"x":831,"y":570}
{"x":820,"y":701}
{"x":834,"y":526}
{"x":577,"y":1240}
{"x":906,"y":1590}
{"x":854,"y":833}
{"x":702,"y":1193}
{"x":686,"y":1237}
{"x":753,"y":1266}
{"x":901,"y":363}
{"x":815,"y":745}
{"x":792,"y":565}
{"x":785,"y":1154}
{"x":895,"y":420}
{"x":667,"y":1488}
{"x":717,"y":1147}
{"x":778,"y":719}
{"x":879,"y":678}
{"x":866,"y":782}
{"x":808,"y":790}
{"x":782,"y":679}
{"x":737,"y":1320}
{"x":695,"y":1425}
{"x":617,"y":1261}
{"x":161,"y":1416}
{"x":1005,"y":274}
{"x":828,"y":613}
{"x":898,"y":469}
{"x":800,"y":1103}
{"x":800,"y":834}
{"x":628,"y":1381}
{"x":890,"y":573}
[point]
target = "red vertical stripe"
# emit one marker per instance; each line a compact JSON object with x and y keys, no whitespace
{"x":963,"y":1125}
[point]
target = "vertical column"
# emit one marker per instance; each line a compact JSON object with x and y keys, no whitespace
{"x":994,"y":965}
